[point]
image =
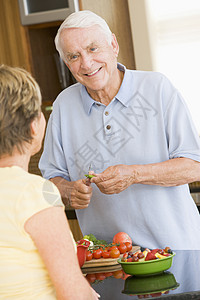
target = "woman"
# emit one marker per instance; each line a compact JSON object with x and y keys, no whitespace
{"x":37,"y":251}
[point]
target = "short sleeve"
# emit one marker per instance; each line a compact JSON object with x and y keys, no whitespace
{"x":182,"y":135}
{"x":52,"y":162}
{"x":37,"y":195}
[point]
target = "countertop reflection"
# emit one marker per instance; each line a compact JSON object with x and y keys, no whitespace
{"x":181,"y":281}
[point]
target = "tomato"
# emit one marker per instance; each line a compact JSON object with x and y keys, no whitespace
{"x":114,"y":247}
{"x":122,"y":237}
{"x":105,"y":254}
{"x":100,"y":276}
{"x":114,"y":253}
{"x":118,"y":274}
{"x":128,"y":246}
{"x":108,"y":274}
{"x":89,"y":255}
{"x":122,"y":248}
{"x":91,"y":278}
{"x":97,"y":253}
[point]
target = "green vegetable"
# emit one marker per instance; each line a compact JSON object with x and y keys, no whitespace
{"x":90,"y":237}
{"x":93,"y":239}
{"x":89,"y":176}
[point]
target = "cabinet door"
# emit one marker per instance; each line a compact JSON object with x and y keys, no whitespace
{"x":14,"y":44}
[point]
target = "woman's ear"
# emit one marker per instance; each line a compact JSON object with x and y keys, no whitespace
{"x":34,"y":127}
{"x":115,"y":45}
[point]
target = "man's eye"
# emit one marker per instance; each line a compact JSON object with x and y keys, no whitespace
{"x":72,"y":57}
{"x":93,"y":49}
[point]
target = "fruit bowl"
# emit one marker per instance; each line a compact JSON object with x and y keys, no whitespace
{"x":147,"y":268}
{"x":160,"y":283}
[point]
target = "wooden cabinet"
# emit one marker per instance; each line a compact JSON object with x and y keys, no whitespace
{"x":14,"y":48}
{"x":32,"y":47}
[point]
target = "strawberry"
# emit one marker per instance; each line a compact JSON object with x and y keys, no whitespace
{"x":129,"y":259}
{"x":154,"y":251}
{"x":150,"y":256}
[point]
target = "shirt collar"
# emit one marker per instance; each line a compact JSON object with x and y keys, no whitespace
{"x":127,"y":88}
{"x":122,"y":95}
{"x":87,"y":101}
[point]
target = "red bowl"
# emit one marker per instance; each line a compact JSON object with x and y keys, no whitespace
{"x":81,"y":254}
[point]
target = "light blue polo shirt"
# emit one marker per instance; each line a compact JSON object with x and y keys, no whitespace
{"x":146,"y":122}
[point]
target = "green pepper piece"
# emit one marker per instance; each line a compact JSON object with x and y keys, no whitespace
{"x":89,"y":176}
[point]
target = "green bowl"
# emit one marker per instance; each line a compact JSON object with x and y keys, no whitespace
{"x":147,"y":268}
{"x":152,"y":284}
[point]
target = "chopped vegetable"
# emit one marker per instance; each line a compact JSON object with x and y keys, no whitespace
{"x":89,"y":176}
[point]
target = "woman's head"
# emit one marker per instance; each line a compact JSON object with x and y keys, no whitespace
{"x":20,"y":105}
{"x":82,"y":19}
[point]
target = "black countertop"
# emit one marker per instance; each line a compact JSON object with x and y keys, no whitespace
{"x":181,"y":281}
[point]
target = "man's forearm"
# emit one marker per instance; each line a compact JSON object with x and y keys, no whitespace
{"x":173,"y":172}
{"x":65,"y":187}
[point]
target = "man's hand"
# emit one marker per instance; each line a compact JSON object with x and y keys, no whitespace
{"x":76,"y":194}
{"x":114,"y":179}
{"x":172,"y":172}
{"x":81,"y":194}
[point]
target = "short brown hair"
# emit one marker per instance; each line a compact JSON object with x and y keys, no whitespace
{"x":20,"y":104}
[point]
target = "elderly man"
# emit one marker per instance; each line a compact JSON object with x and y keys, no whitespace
{"x":134,"y":130}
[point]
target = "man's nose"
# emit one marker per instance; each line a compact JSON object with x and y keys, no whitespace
{"x":86,"y":61}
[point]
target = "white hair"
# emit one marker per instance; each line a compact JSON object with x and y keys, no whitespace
{"x":82,"y":19}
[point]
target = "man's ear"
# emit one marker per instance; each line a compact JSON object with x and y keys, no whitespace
{"x":115,"y":45}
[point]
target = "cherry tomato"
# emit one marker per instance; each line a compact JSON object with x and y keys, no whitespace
{"x":105,"y":254}
{"x":106,"y":249}
{"x":91,"y":278}
{"x":89,"y":255}
{"x":113,"y":247}
{"x":118,"y":274}
{"x":114,"y":253}
{"x":100,"y":276}
{"x":108,"y":274}
{"x":122,"y":248}
{"x":128,"y":246}
{"x":97,"y":253}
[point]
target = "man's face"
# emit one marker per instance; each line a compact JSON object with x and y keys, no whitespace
{"x":89,"y":56}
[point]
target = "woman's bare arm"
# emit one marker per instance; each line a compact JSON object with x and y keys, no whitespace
{"x":50,"y":232}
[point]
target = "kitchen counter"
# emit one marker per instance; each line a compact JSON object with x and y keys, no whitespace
{"x":181,"y":281}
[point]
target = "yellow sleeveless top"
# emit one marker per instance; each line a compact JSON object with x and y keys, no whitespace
{"x":23,"y":274}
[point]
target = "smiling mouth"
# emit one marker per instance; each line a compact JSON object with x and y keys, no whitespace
{"x":93,"y":73}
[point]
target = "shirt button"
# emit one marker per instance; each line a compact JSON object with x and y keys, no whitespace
{"x":108,"y":127}
{"x":106,"y":113}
